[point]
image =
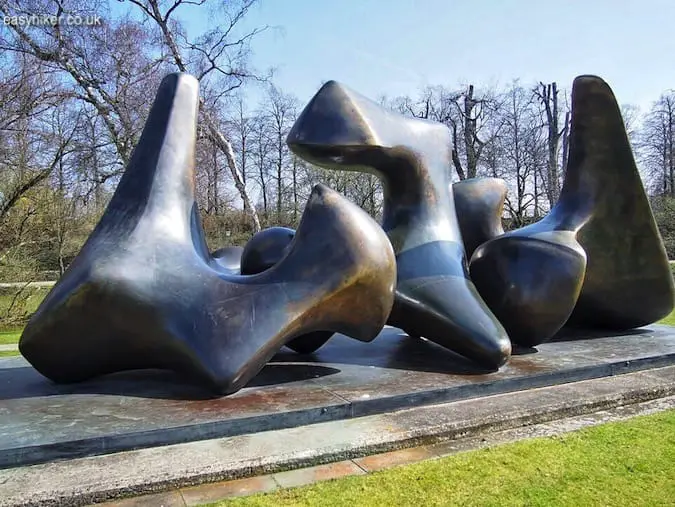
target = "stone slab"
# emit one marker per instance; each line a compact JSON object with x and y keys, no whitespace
{"x":445,"y":427}
{"x":208,"y":493}
{"x":40,"y":421}
{"x":303,"y":476}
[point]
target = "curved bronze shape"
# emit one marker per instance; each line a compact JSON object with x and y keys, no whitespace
{"x":144,"y":292}
{"x":263,"y":251}
{"x":229,"y":258}
{"x":537,"y":277}
{"x":628,"y":281}
{"x":531,"y":278}
{"x":479,"y":203}
{"x":434,"y":296}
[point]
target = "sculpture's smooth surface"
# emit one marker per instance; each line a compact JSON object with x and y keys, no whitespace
{"x":597,"y":258}
{"x":145,"y":293}
{"x":229,"y":258}
{"x":531,"y":278}
{"x":434,"y":297}
{"x":628,"y":281}
{"x":479,"y":203}
{"x":263,"y":251}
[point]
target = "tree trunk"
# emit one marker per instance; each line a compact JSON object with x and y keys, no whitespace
{"x":295,"y":190}
{"x":548,"y":95}
{"x":470,"y":134}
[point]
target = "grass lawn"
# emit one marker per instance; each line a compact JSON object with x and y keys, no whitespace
{"x":10,"y":336}
{"x":669,"y":320}
{"x":24,"y":306}
{"x":9,"y":353}
{"x":625,"y":463}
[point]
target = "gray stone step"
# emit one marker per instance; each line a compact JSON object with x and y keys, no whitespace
{"x":86,"y":480}
{"x":40,"y":421}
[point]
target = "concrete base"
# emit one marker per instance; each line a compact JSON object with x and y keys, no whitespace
{"x":41,"y":422}
{"x":270,"y":459}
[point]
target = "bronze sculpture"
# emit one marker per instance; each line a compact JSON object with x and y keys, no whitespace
{"x":144,"y":292}
{"x":434,"y":296}
{"x":263,"y":251}
{"x":597,"y":259}
{"x":229,"y":258}
{"x":479,"y":203}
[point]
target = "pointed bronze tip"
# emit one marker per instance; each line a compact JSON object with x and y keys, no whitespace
{"x":591,"y":88}
{"x":588,"y":78}
{"x":331,"y":84}
{"x":335,"y":116}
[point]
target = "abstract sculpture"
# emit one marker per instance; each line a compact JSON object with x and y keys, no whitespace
{"x":597,"y":259}
{"x":144,"y":292}
{"x":479,"y":203}
{"x":229,"y":258}
{"x":263,"y":251}
{"x":434,"y":296}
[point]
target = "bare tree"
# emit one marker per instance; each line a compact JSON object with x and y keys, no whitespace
{"x":215,"y":53}
{"x":96,"y":61}
{"x":522,"y":148}
{"x":31,"y":149}
{"x":281,"y":110}
{"x":261,"y":150}
{"x":548,"y":98}
{"x":658,"y":144}
{"x":241,"y":127}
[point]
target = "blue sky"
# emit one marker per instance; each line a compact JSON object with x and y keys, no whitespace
{"x":394,"y":47}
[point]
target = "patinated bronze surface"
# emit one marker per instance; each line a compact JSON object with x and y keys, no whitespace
{"x":628,"y":282}
{"x":597,"y":258}
{"x":479,"y":203}
{"x":229,"y":258}
{"x":263,"y":251}
{"x":434,"y":297}
{"x":144,"y":292}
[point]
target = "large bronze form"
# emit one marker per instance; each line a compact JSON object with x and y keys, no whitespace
{"x":263,"y":251}
{"x":597,"y":259}
{"x":434,"y":296}
{"x":145,"y":293}
{"x":229,"y":258}
{"x":479,"y":203}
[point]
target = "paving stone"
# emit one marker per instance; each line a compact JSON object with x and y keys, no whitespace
{"x":394,"y":458}
{"x":168,"y":499}
{"x":206,"y":493}
{"x":303,"y":476}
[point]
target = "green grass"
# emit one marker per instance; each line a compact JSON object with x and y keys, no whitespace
{"x":669,"y":320}
{"x":626,"y":463}
{"x":22,"y":308}
{"x":9,"y":353}
{"x":10,"y":336}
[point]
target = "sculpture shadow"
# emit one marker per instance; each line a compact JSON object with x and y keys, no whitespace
{"x":393,"y":349}
{"x":25,"y":382}
{"x":523,"y":350}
